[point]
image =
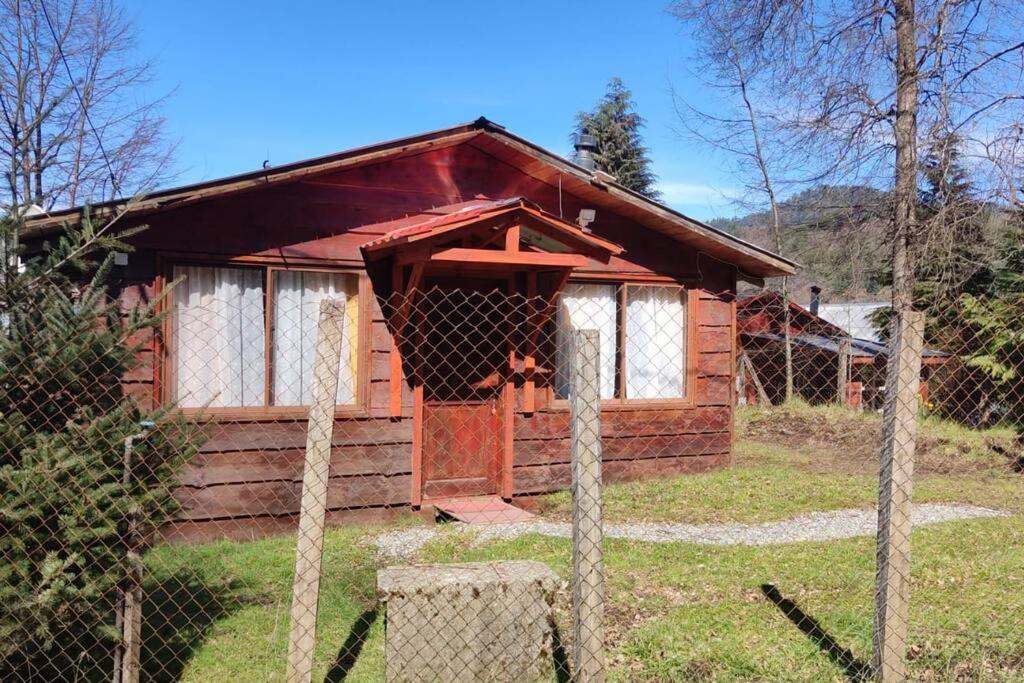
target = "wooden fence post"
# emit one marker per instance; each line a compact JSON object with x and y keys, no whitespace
{"x":762,"y":395}
{"x":587,"y":520}
{"x":843,"y":370}
{"x":899,"y":438}
{"x":310,"y":545}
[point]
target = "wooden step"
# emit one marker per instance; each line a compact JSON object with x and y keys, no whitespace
{"x":481,"y":510}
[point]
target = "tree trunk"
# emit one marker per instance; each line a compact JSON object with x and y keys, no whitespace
{"x":905,"y":187}
{"x":769,"y":188}
{"x":787,"y":334}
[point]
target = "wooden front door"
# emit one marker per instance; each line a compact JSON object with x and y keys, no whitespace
{"x":465,"y":357}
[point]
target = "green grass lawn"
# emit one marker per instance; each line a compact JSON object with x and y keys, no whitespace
{"x":800,"y":612}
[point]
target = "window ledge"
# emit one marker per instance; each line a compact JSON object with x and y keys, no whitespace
{"x":559,"y":405}
{"x":267,"y":414}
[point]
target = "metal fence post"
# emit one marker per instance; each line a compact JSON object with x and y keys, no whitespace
{"x":899,"y":438}
{"x":587,"y":522}
{"x":128,"y":654}
{"x":310,"y":545}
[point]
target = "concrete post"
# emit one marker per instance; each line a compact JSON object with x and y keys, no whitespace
{"x":899,"y":439}
{"x":587,"y":522}
{"x":310,"y":546}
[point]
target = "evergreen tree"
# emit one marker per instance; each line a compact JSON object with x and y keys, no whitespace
{"x":67,"y":488}
{"x":992,"y":335}
{"x":616,"y":126}
{"x":956,"y":247}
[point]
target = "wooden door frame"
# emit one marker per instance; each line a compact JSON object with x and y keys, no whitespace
{"x":504,"y":455}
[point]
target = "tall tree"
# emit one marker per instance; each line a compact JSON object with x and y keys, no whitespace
{"x":76,"y":124}
{"x":740,"y":133}
{"x":858,"y":82}
{"x":857,"y":89}
{"x":616,"y":126}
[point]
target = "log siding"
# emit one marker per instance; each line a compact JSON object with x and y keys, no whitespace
{"x":246,"y":479}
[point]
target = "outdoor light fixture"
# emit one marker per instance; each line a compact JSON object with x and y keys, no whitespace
{"x":585,"y":218}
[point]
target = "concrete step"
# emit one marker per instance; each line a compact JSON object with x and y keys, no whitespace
{"x":481,"y":510}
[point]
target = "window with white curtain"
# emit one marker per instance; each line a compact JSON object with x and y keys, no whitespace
{"x":587,"y":307}
{"x":219,"y":338}
{"x":648,"y":360}
{"x":297,"y":297}
{"x":655,"y":357}
{"x":220,"y":346}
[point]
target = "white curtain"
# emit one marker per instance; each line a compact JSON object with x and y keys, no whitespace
{"x":586,"y":307}
{"x":297,"y":297}
{"x":655,"y":342}
{"x":219,"y":337}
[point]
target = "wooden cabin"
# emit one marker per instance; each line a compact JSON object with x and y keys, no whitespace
{"x":463,"y":256}
{"x":828,"y":362}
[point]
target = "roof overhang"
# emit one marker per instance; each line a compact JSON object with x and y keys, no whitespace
{"x":598,"y":189}
{"x":549,"y":240}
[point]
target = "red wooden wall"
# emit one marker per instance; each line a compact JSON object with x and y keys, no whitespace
{"x":247,"y":478}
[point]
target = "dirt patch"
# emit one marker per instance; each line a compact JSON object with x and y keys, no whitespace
{"x":1011,"y":449}
{"x":836,"y":440}
{"x":931,"y":666}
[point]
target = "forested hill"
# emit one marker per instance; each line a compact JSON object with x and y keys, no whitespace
{"x":837,"y":235}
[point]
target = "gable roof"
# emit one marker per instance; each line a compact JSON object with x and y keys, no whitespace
{"x":594,"y":187}
{"x":799,"y":316}
{"x":470,"y":214}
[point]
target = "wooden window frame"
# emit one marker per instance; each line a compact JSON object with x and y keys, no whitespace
{"x":689,"y":399}
{"x":164,"y":380}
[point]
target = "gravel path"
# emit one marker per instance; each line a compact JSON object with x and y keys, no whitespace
{"x":817,"y":526}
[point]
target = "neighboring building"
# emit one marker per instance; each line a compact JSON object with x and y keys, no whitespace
{"x":464,"y":257}
{"x":827,"y":357}
{"x":854,"y":318}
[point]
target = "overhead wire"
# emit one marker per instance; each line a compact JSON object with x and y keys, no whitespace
{"x":81,"y":102}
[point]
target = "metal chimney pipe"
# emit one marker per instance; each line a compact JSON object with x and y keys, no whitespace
{"x":586,"y":145}
{"x":815,"y":300}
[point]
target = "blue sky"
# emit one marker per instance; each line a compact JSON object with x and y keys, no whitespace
{"x":290,"y":80}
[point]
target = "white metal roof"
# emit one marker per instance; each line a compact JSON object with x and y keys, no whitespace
{"x":855,"y":318}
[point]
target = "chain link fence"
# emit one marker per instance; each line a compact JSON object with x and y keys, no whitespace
{"x":287,"y":477}
{"x":932,"y":402}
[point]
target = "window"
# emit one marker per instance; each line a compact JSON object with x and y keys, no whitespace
{"x":221,"y":339}
{"x":643,"y":338}
{"x":587,"y":306}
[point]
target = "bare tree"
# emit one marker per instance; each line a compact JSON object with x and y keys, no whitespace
{"x":858,"y":88}
{"x":75,"y":123}
{"x":860,"y":82}
{"x":738,"y":131}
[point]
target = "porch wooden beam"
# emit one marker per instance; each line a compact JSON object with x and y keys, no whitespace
{"x":505,"y":258}
{"x":508,"y":396}
{"x":409,"y":292}
{"x":403,"y":307}
{"x":551,"y":307}
{"x":416,"y":495}
{"x":395,"y":359}
{"x":512,"y":239}
{"x":529,"y":354}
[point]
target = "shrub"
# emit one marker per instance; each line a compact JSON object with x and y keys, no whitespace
{"x":66,"y":486}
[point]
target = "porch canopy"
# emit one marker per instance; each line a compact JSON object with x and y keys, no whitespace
{"x":481,"y":238}
{"x":503,"y":234}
